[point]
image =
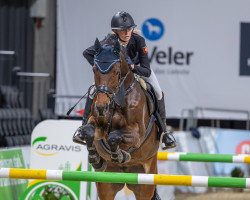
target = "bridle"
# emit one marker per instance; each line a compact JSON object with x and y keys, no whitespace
{"x":117,"y":97}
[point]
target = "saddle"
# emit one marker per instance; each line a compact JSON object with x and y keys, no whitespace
{"x":150,"y":95}
{"x":151,"y":102}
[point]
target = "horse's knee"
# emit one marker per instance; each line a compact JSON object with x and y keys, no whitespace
{"x":114,"y":139}
{"x":88,"y":134}
{"x":117,"y":155}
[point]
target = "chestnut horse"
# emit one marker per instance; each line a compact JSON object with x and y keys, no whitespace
{"x":121,"y":135}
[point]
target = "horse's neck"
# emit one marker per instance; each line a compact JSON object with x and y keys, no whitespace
{"x":125,"y":69}
{"x":129,"y":80}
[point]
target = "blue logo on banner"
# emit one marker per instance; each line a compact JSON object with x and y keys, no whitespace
{"x":153,"y":29}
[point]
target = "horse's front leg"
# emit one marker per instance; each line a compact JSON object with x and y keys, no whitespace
{"x":117,"y":155}
{"x":88,"y":135}
{"x":115,"y":138}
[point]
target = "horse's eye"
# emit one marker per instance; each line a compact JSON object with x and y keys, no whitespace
{"x":117,"y":73}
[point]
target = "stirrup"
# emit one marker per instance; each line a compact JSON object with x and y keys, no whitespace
{"x":168,"y":133}
{"x":77,"y":138}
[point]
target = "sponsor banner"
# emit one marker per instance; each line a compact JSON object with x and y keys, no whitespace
{"x":231,"y":142}
{"x":12,"y":188}
{"x":51,"y":190}
{"x":198,"y":49}
{"x":52,"y":148}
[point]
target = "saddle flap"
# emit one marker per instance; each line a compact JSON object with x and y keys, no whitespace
{"x":149,"y":93}
{"x":150,"y":102}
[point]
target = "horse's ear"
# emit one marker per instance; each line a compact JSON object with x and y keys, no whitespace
{"x":98,"y":46}
{"x":117,"y":48}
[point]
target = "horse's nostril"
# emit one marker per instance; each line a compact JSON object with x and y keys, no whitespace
{"x":102,"y":110}
{"x":106,"y":107}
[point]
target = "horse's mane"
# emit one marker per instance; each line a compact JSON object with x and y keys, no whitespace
{"x":110,"y":40}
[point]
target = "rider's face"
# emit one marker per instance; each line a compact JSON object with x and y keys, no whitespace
{"x":125,"y":35}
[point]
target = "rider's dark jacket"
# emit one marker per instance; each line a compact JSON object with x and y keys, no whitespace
{"x":136,"y":50}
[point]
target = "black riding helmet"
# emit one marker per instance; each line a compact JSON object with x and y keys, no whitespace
{"x":122,"y":20}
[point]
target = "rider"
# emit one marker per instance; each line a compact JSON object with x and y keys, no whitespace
{"x":122,"y":25}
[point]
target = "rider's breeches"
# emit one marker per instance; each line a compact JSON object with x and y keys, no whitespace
{"x":154,"y":82}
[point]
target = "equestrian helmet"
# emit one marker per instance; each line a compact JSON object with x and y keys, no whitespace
{"x":121,"y":21}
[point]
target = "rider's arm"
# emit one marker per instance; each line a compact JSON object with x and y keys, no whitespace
{"x":144,"y":68}
{"x":90,"y":52}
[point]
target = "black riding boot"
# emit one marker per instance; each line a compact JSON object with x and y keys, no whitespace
{"x":78,"y":136}
{"x":166,"y":137}
{"x":87,"y":110}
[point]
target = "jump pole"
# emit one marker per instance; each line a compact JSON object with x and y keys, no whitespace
{"x":130,"y":178}
{"x":204,"y":157}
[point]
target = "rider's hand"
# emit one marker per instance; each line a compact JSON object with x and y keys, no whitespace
{"x":130,"y":63}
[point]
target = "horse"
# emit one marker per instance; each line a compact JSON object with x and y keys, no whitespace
{"x":121,"y":135}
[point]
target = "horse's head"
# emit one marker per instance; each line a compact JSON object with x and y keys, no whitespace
{"x":108,"y":75}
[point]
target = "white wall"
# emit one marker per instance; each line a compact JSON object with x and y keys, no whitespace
{"x":209,"y":31}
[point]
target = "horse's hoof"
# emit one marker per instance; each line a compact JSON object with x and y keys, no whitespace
{"x":88,"y":133}
{"x":114,"y":139}
{"x":101,"y":166}
{"x":126,"y":157}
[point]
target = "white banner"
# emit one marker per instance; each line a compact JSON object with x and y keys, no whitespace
{"x":52,"y":148}
{"x":198,"y":49}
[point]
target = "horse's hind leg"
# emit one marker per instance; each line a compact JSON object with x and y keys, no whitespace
{"x":142,"y":192}
{"x":107,"y":191}
{"x":145,"y":192}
